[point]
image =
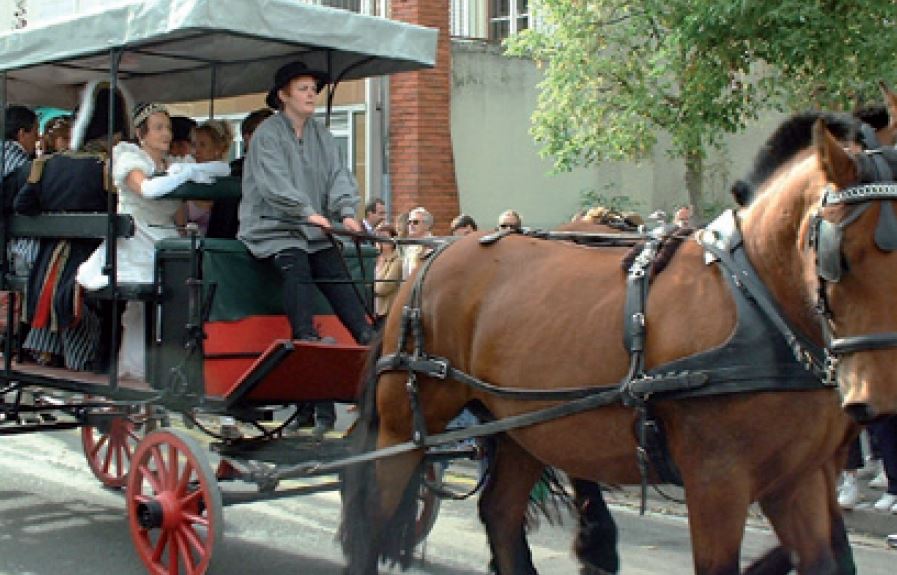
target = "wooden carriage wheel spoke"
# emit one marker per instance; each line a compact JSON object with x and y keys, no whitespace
{"x":196,"y":519}
{"x":150,"y":478}
{"x":191,"y":537}
{"x":184,"y":551}
{"x":171,"y":475}
{"x":191,"y":500}
{"x":156,"y":456}
{"x":184,"y":480}
{"x":172,"y":555}
{"x":159,"y":548}
{"x":98,"y":445}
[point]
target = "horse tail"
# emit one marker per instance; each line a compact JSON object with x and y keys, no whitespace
{"x":365,"y":542}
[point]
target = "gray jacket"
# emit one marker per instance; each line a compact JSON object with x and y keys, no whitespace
{"x":285,"y":180}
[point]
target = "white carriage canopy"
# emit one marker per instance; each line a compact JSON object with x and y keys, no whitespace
{"x":188,"y":50}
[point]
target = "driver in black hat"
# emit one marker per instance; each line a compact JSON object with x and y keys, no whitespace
{"x":294,"y":176}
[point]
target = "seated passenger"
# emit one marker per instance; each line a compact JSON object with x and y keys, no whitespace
{"x":139,"y":174}
{"x":62,"y":325}
{"x":57,"y":135}
{"x":223,"y":220}
{"x":211,"y":143}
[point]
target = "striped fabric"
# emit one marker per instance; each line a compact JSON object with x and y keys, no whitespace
{"x":14,"y":155}
{"x":76,"y":344}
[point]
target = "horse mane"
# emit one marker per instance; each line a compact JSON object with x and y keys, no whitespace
{"x":792,"y":136}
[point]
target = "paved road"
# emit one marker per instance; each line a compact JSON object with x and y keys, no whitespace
{"x":55,"y":518}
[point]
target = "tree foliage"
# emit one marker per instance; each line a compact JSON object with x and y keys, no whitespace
{"x":618,"y":71}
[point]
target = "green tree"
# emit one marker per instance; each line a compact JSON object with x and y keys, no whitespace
{"x":619,"y":71}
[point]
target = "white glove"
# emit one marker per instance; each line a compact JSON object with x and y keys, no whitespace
{"x":161,"y":185}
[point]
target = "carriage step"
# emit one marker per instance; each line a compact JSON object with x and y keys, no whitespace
{"x":295,"y":371}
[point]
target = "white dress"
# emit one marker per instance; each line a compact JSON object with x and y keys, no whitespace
{"x":153,"y":221}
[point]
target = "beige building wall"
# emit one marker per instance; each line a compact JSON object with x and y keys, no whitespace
{"x":498,"y":164}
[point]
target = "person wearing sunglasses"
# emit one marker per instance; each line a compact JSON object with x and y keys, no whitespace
{"x":420,"y":224}
{"x":510,"y":220}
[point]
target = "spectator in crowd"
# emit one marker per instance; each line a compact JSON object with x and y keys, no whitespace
{"x":57,"y":135}
{"x":884,"y":434}
{"x":683,"y":217}
{"x":181,"y":147}
{"x":211,"y":143}
{"x":463,"y":225}
{"x":420,"y":224}
{"x":388,"y":273}
{"x":510,"y":220}
{"x":295,"y":185}
{"x":374,"y":213}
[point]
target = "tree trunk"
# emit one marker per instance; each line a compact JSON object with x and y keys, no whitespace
{"x":694,"y":184}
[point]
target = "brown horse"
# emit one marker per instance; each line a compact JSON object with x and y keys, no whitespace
{"x":529,"y":314}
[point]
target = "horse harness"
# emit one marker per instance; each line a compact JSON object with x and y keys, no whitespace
{"x":763,"y":353}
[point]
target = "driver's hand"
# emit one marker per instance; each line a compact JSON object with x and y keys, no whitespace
{"x":320,"y":220}
{"x":352,"y":225}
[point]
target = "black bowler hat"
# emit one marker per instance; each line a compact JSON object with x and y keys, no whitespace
{"x":286,"y":73}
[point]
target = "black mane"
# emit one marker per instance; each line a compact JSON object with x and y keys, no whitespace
{"x":792,"y":136}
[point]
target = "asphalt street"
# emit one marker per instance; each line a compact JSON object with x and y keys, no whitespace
{"x":55,"y":518}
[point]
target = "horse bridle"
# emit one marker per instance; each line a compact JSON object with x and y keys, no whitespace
{"x":825,"y":238}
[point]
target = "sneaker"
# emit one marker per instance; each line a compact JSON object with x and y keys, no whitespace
{"x":885,"y":502}
{"x":849,"y":492}
{"x":880,"y":481}
{"x":871,"y":469}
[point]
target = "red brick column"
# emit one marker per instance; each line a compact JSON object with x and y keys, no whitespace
{"x":420,"y":145}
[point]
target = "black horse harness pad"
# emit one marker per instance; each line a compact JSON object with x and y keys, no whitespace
{"x":755,"y":357}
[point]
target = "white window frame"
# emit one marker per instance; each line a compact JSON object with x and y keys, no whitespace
{"x":512,"y":18}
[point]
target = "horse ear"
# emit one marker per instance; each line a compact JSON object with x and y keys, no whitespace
{"x":834,"y":159}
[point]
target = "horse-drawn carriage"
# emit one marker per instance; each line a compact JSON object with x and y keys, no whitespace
{"x":738,"y":429}
{"x":217,"y":340}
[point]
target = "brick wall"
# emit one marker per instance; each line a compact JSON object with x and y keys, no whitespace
{"x":420,"y":147}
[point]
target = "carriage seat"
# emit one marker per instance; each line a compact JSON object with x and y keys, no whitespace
{"x":73,"y":226}
{"x":248,"y":356}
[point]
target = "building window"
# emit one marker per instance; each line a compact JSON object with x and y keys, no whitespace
{"x":507,"y":17}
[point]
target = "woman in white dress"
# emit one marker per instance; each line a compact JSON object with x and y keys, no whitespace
{"x":143,"y":177}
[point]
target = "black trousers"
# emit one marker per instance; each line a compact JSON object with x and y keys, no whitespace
{"x":301,"y":271}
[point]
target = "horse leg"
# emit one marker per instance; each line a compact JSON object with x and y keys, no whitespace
{"x":596,"y":535}
{"x":717,"y":512}
{"x":503,"y":504}
{"x":802,"y":517}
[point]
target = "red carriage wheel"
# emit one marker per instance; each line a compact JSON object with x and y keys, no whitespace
{"x":428,"y":502}
{"x":110,"y":444}
{"x":174,"y":505}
